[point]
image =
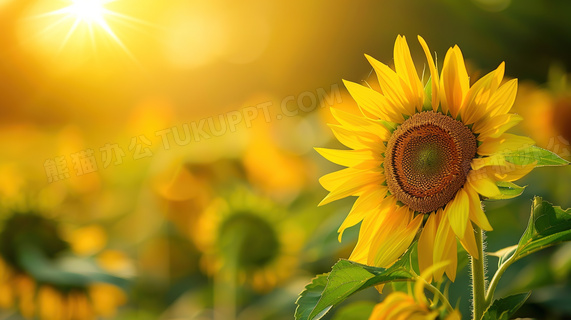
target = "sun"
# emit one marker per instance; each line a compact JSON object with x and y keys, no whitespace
{"x":89,"y":11}
{"x":77,"y":23}
{"x":93,"y":14}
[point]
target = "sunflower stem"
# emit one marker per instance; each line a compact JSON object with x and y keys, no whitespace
{"x":478,"y":278}
{"x":226,"y":284}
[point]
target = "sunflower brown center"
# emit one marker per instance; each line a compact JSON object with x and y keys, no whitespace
{"x":427,"y":160}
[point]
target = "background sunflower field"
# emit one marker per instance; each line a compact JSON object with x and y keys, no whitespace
{"x":157,"y":161}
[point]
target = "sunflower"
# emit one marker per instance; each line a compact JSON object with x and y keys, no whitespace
{"x":35,"y":282}
{"x":248,"y":235}
{"x":547,"y":113}
{"x":422,"y":158}
{"x":400,"y":305}
{"x":262,"y":158}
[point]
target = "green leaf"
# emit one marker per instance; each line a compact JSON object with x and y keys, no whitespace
{"x":356,"y":310}
{"x":309,"y":297}
{"x":508,"y":190}
{"x":346,"y":278}
{"x":34,"y":261}
{"x":548,"y":225}
{"x":533,"y":154}
{"x":504,"y":308}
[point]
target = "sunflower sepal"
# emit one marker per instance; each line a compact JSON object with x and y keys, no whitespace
{"x":508,"y":190}
{"x":389,"y":125}
{"x":504,"y":308}
{"x":530,"y":154}
{"x":348,"y":277}
{"x":427,"y":104}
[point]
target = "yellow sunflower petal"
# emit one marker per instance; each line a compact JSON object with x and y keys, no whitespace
{"x":373,"y":102}
{"x":441,"y":235}
{"x":352,"y":186}
{"x":457,"y":212}
{"x":445,"y":248}
{"x":335,"y":179}
{"x":433,"y":74}
{"x":369,"y":228}
{"x":350,"y":158}
{"x":476,"y":212}
{"x":476,"y":102}
{"x":426,"y":243}
{"x":406,"y":70}
{"x":360,"y":123}
{"x":495,"y":126}
{"x":468,"y":241}
{"x":454,"y":81}
{"x":505,"y":143}
{"x":393,"y":239}
{"x":510,"y":172}
{"x":510,"y":121}
{"x":482,"y":183}
{"x":391,"y":86}
{"x":357,"y":140}
{"x":502,"y":101}
{"x":493,"y":160}
{"x":367,"y":202}
{"x":452,"y":256}
{"x":339,"y":179}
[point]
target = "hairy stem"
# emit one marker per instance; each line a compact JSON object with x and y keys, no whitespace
{"x":478,"y":278}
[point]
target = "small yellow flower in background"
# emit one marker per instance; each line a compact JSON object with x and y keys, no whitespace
{"x":423,"y":157}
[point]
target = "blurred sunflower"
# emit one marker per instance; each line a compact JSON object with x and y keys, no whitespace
{"x":547,"y":113}
{"x":35,"y":280}
{"x":399,"y":305}
{"x":423,"y":156}
{"x":249,"y":235}
{"x":278,"y":172}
